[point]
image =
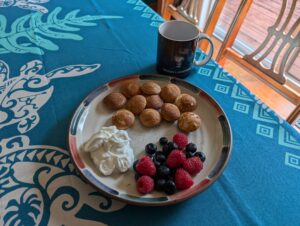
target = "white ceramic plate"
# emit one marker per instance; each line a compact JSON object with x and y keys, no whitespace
{"x":213,"y":138}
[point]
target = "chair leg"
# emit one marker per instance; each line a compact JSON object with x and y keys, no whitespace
{"x":212,"y":21}
{"x":222,"y":59}
{"x":234,"y":27}
{"x":165,"y":12}
{"x":160,"y":6}
{"x":293,"y":116}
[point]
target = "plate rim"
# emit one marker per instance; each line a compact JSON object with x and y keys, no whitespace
{"x":168,"y":201}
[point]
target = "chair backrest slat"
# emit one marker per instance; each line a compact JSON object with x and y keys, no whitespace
{"x":293,"y":43}
{"x":289,"y":16}
{"x":277,"y":33}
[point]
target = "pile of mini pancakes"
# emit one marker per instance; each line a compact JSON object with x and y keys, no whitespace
{"x":152,"y":103}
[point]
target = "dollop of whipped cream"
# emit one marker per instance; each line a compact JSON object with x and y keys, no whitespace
{"x":110,"y":150}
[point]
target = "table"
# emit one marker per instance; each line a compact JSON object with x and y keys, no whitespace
{"x":53,"y":53}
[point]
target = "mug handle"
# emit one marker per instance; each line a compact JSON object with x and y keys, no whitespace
{"x":211,"y":50}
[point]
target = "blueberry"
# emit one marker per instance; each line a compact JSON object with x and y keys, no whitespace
{"x":172,"y":171}
{"x":189,"y":154}
{"x":137,"y":176}
{"x":163,"y":172}
{"x":156,"y":163}
{"x":151,"y":148}
{"x":170,"y":187}
{"x":201,"y":155}
{"x":160,"y":184}
{"x":134,"y":164}
{"x":191,"y":147}
{"x":163,"y":141}
{"x":166,"y":150}
{"x":170,"y":146}
{"x":160,"y":157}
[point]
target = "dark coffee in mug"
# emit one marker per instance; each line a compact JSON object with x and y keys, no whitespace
{"x":177,"y":44}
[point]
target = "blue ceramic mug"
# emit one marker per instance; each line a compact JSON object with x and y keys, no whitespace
{"x":177,"y":44}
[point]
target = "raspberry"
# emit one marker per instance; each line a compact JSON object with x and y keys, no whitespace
{"x":175,"y":159}
{"x":145,"y":166}
{"x":183,"y":180}
{"x":180,"y":139}
{"x":193,"y":165}
{"x":145,"y":184}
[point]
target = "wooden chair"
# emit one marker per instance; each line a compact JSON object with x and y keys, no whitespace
{"x":168,"y":11}
{"x":276,"y":73}
{"x":294,"y":115}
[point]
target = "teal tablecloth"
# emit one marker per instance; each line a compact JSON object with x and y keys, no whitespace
{"x":53,"y":53}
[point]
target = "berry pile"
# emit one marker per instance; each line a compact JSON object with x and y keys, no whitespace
{"x":169,"y":169}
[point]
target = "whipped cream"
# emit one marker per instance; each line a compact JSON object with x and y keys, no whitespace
{"x":110,"y":150}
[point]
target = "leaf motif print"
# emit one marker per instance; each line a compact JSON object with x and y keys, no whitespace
{"x":32,"y":33}
{"x":22,"y":96}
